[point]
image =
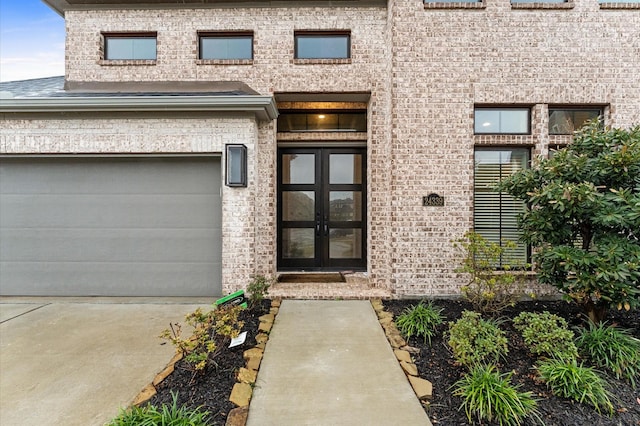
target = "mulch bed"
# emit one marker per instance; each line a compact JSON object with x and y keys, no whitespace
{"x":211,"y":390}
{"x":436,"y":364}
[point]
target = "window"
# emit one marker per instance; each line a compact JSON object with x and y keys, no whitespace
{"x":320,"y":121}
{"x":537,"y":1}
{"x":226,"y":46}
{"x":502,"y":120}
{"x":130,"y":46}
{"x":322,"y":45}
{"x":453,"y":1}
{"x":495,"y":213}
{"x":564,"y":121}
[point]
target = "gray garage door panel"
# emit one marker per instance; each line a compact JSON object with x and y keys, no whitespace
{"x":112,"y":227}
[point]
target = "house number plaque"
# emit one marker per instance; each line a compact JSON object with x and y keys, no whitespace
{"x":433,"y":200}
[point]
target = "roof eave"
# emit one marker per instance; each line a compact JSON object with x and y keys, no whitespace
{"x":264,"y":107}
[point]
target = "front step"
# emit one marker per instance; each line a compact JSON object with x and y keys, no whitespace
{"x":325,"y":286}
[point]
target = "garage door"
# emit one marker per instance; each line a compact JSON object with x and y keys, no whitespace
{"x":110,"y":226}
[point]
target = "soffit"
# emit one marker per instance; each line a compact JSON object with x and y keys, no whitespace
{"x":61,"y":6}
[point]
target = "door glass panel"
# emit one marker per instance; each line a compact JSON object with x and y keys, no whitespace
{"x":298,"y":243}
{"x":345,"y":205}
{"x":345,"y":169}
{"x":298,"y":168}
{"x":345,"y":243}
{"x":298,"y":205}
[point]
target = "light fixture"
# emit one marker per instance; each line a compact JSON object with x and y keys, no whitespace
{"x":321,"y":116}
{"x":236,"y":165}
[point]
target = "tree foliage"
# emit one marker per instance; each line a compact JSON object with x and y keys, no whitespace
{"x":583,"y":216}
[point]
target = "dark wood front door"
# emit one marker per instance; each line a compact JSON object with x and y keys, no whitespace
{"x":322,"y":209}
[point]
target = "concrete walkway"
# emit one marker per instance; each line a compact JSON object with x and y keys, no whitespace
{"x":329,"y":363}
{"x":77,"y":361}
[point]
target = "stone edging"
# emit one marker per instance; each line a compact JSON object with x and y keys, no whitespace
{"x":422,"y":388}
{"x":246,"y":376}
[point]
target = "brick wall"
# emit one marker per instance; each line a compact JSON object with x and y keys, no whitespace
{"x":425,"y":66}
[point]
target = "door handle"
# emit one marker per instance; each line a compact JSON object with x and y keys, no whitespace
{"x":326,"y":227}
{"x":318,"y":228}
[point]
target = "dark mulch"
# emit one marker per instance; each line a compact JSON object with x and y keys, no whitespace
{"x":435,"y":363}
{"x":211,"y":390}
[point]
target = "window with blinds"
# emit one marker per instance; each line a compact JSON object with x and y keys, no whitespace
{"x":495,"y":213}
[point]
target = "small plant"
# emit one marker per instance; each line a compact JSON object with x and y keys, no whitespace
{"x":210,"y":331}
{"x":489,"y":396}
{"x":490,"y":290}
{"x":420,"y":320}
{"x":612,"y":348}
{"x":546,"y":334}
{"x":150,"y":415}
{"x":568,"y":379}
{"x":258,"y":288}
{"x":475,"y":340}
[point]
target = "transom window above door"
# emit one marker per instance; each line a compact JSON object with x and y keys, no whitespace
{"x":322,"y":44}
{"x":226,"y":45}
{"x":322,"y":121}
{"x":130,"y":46}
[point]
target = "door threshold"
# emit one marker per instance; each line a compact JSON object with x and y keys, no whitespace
{"x":311,"y":277}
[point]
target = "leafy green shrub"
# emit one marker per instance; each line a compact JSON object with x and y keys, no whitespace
{"x":490,"y":290}
{"x":151,"y":415}
{"x":567,"y":379}
{"x":420,"y":320}
{"x":210,"y":331}
{"x":475,"y":340}
{"x":611,"y":348}
{"x":546,"y":334}
{"x":489,"y":396}
{"x":258,"y":288}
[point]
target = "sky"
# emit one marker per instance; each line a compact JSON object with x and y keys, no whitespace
{"x":31,"y":40}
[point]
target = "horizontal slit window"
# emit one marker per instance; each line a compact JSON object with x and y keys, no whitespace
{"x":502,"y":121}
{"x":322,"y":45}
{"x":130,"y":47}
{"x":226,"y":46}
{"x":322,"y":122}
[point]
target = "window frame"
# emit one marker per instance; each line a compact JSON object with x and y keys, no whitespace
{"x":106,"y":36}
{"x":502,"y":108}
{"x":502,"y":216}
{"x":572,"y":109}
{"x":307,"y":113}
{"x":225,"y":34}
{"x":321,"y":34}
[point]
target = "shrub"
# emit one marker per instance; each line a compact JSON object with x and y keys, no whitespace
{"x":151,"y":415}
{"x":489,"y":290}
{"x":567,"y":379}
{"x":475,"y":340}
{"x":258,"y":288}
{"x":210,"y":331}
{"x":489,"y":396}
{"x":611,"y":348}
{"x":582,"y":214}
{"x":420,"y":320}
{"x":546,"y":334}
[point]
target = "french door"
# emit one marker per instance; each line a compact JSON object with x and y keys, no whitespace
{"x":322,"y":208}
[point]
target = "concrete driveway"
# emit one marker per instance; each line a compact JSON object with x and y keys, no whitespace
{"x":77,"y":361}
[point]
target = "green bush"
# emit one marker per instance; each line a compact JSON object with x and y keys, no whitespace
{"x":567,"y":379}
{"x":420,"y":320}
{"x":546,"y":334}
{"x":258,"y":288}
{"x":611,"y":348}
{"x":490,"y":290}
{"x":150,"y":415}
{"x":211,"y":331}
{"x":475,"y":340}
{"x":489,"y":395}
